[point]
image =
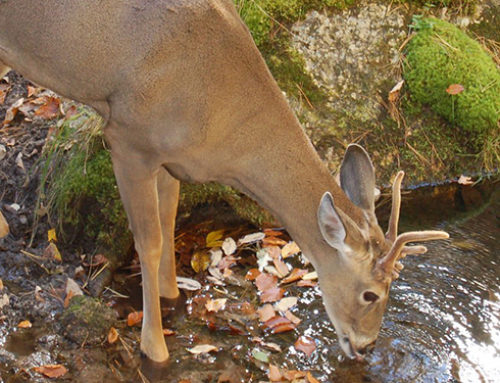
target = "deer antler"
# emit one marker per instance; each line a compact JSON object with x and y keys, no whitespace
{"x":389,"y":265}
{"x":392,"y":230}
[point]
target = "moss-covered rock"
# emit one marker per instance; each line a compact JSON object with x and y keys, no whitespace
{"x":440,"y":55}
{"x":87,"y":320}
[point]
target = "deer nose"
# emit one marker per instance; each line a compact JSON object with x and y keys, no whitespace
{"x":364,"y":350}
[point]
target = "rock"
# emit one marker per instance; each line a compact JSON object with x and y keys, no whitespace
{"x":87,"y":320}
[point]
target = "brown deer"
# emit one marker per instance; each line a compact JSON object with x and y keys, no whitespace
{"x":187,"y":96}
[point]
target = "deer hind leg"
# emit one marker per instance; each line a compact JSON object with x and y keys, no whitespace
{"x":168,"y":195}
{"x":137,"y":184}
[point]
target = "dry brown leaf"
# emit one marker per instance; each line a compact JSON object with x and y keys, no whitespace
{"x":283,"y":328}
{"x":252,"y":274}
{"x":112,"y":335}
{"x":265,"y":281}
{"x":286,"y":303}
{"x":394,"y":93}
{"x":293,"y":375}
{"x":454,"y":89}
{"x":272,"y":233}
{"x":281,"y":267}
{"x":50,"y":109}
{"x":306,"y":345}
{"x":52,"y":252}
{"x":70,"y":294}
{"x":273,"y":241}
{"x":274,"y":373}
{"x":295,"y":275}
{"x":266,"y":312}
{"x":134,"y":318}
{"x":52,"y":370}
{"x":25,"y":324}
{"x":289,"y":249}
{"x":307,"y":283}
{"x":4,"y":226}
{"x":295,"y":320}
{"x":272,"y":295}
{"x":1,"y":284}
{"x":168,"y":332}
{"x":214,"y":305}
{"x":310,"y":378}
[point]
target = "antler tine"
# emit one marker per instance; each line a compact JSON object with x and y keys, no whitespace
{"x":387,"y":263}
{"x":392,"y":230}
{"x":411,"y":250}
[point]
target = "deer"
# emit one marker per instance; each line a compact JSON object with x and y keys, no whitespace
{"x":187,"y":96}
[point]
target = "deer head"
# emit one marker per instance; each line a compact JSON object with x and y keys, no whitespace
{"x":355,"y":298}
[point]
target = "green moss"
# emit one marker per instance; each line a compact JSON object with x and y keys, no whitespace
{"x":440,"y":55}
{"x":87,"y":320}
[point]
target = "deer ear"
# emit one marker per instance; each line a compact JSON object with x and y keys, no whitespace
{"x":329,"y":222}
{"x":357,"y":177}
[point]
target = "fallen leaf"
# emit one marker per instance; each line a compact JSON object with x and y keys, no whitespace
{"x":310,"y":276}
{"x":200,"y":261}
{"x":394,"y":93}
{"x":306,"y":345}
{"x":251,"y":238}
{"x":214,"y":305}
{"x":295,"y":275}
{"x":307,"y":283}
{"x":51,"y":235}
{"x":50,"y":109}
{"x":168,"y":332}
{"x":286,"y":303}
{"x":227,"y":262}
{"x":96,"y":260}
{"x":4,"y":301}
{"x":283,"y":328}
{"x":272,"y":295}
{"x":11,"y":113}
{"x":464,"y":180}
{"x":273,"y":241}
{"x":274,"y":373}
{"x":216,"y":256}
{"x":265,"y":281}
{"x":293,"y":375}
{"x":289,"y":249}
{"x":214,"y":238}
{"x":263,"y":258}
{"x":229,"y":246}
{"x":25,"y":324}
{"x":266,"y":312}
{"x":188,"y":284}
{"x":69,"y":295}
{"x":19,"y":161}
{"x":281,"y":267}
{"x":311,"y":379}
{"x":73,"y":287}
{"x":202,"y":349}
{"x":252,"y":274}
{"x":276,"y":321}
{"x":260,"y":355}
{"x":272,"y":233}
{"x":1,"y":284}
{"x":51,"y":370}
{"x":52,"y":252}
{"x":295,"y":320}
{"x":134,"y":318}
{"x":112,"y":335}
{"x":454,"y":89}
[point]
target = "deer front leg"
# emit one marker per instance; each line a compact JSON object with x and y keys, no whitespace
{"x":168,"y":195}
{"x":3,"y":70}
{"x":138,"y":189}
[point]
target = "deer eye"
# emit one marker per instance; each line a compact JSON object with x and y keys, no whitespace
{"x":370,"y":297}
